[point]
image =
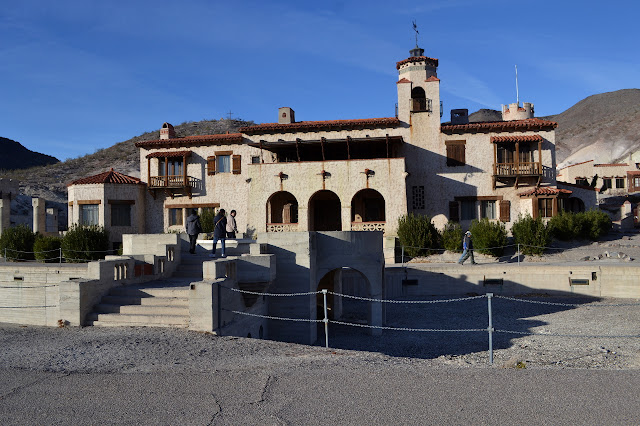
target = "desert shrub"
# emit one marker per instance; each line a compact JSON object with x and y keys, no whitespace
{"x":417,"y":234}
{"x":567,"y":225}
{"x":82,"y":243}
{"x":598,"y":224}
{"x":532,"y":234}
{"x":17,"y":243}
{"x":206,"y":220}
{"x":452,"y":235}
{"x":488,"y":237}
{"x":592,"y":224}
{"x":47,"y":248}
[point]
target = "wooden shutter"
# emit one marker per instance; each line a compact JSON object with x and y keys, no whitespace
{"x":454,"y":211}
{"x":236,"y":164}
{"x":455,"y":153}
{"x":505,"y":211}
{"x":211,"y":166}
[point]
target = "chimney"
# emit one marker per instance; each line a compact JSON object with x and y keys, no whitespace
{"x":167,"y":131}
{"x":286,"y":115}
{"x":460,"y":116}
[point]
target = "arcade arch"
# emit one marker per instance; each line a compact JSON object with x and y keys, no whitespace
{"x":325,"y":212}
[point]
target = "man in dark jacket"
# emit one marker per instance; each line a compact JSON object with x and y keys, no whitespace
{"x":219,"y":232}
{"x":467,"y":249}
{"x":193,"y":229}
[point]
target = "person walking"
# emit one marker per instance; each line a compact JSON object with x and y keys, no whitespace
{"x":193,"y":228}
{"x":231,"y":225}
{"x":219,"y":232}
{"x":467,"y":249}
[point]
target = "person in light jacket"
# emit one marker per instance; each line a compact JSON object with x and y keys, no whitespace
{"x":193,"y":229}
{"x":231,"y":225}
{"x":219,"y":232}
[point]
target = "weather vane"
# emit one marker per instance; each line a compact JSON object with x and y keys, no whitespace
{"x":415,"y":28}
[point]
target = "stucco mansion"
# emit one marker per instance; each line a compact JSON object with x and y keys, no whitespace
{"x":360,"y":174}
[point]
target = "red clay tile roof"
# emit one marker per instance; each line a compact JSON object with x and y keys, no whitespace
{"x":312,"y":126}
{"x":577,"y":185}
{"x":517,"y":138}
{"x":433,"y":78}
{"x":169,"y":154}
{"x":228,"y":138}
{"x":404,"y":80}
{"x":430,"y":61}
{"x":108,"y":177}
{"x":577,"y":164}
{"x":611,"y":165}
{"x":544,"y":190}
{"x":500,"y":126}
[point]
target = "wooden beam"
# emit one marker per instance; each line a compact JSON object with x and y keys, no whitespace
{"x":386,"y":139}
{"x":322,"y":141}
{"x":298,"y":149}
{"x":348,"y":149}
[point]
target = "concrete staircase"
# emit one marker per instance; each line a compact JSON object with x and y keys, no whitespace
{"x":161,"y":303}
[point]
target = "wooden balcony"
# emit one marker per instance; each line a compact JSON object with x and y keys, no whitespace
{"x":517,"y":169}
{"x":172,"y":183}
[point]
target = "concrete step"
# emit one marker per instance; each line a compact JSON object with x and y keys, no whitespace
{"x":119,"y":320}
{"x":104,"y":308}
{"x":140,"y":292}
{"x":145,"y":301}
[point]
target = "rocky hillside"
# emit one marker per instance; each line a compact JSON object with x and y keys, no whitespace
{"x":15,"y":156}
{"x":604,"y":128}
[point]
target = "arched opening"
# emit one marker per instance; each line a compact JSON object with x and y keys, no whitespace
{"x":282,"y":212}
{"x":367,"y":211}
{"x":325,"y":212}
{"x":418,"y":100}
{"x":348,"y":282}
{"x":571,"y":204}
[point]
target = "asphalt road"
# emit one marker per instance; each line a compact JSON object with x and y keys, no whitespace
{"x":328,"y":394}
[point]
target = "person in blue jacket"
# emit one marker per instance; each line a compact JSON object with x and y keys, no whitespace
{"x":467,"y":249}
{"x":219,"y":232}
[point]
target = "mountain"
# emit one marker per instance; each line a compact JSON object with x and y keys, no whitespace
{"x":604,"y":128}
{"x":15,"y":156}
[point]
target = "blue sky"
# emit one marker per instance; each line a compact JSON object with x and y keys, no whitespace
{"x":77,"y":76}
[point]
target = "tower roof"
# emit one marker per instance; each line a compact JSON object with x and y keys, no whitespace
{"x":108,"y":177}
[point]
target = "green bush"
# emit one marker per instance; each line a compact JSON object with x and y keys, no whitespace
{"x":592,"y":224}
{"x":17,"y":243}
{"x":82,"y":243}
{"x":532,"y":235}
{"x":47,"y":248}
{"x":599,"y":224}
{"x":488,"y":237}
{"x":452,"y":235}
{"x":417,"y":234}
{"x":206,"y":220}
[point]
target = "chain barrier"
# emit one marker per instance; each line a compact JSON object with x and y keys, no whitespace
{"x":28,"y":307}
{"x":382,"y":327}
{"x":37,"y":286}
{"x":533,"y":333}
{"x":540,"y":302}
{"x":308,"y":293}
{"x":368,"y":299}
{"x":274,"y":318}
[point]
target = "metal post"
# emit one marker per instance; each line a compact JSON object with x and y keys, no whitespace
{"x":219,"y":306}
{"x":518,"y":254}
{"x":326,"y":319}
{"x":60,"y":258}
{"x":490,"y":328}
{"x":402,"y":258}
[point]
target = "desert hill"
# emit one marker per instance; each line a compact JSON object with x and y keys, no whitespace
{"x":15,"y":156}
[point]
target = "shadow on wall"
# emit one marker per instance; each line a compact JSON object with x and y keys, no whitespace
{"x":461,"y":315}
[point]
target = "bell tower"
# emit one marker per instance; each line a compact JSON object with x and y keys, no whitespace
{"x":418,"y":88}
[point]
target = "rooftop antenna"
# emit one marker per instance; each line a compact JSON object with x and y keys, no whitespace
{"x":517,"y":93}
{"x":415,"y":28}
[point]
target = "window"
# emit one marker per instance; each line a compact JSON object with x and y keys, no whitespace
{"x":488,"y":209}
{"x":172,"y":166}
{"x":120,"y":214}
{"x":545,"y":207}
{"x":582,"y":181}
{"x":175,"y":217}
{"x":606,"y":184}
{"x":419,"y":101}
{"x":455,"y":153}
{"x":255,"y":159}
{"x":467,"y":210}
{"x":636,"y":182}
{"x":418,"y":197}
{"x":454,"y":211}
{"x":619,"y":182}
{"x":89,"y":214}
{"x":223,"y":164}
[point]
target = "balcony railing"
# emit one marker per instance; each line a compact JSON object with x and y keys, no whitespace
{"x":368,"y":226}
{"x":282,"y":227}
{"x":172,"y":181}
{"x":517,"y":169}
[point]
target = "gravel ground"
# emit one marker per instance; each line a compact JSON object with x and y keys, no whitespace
{"x":138,"y":349}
